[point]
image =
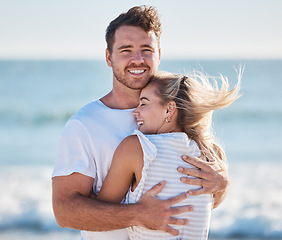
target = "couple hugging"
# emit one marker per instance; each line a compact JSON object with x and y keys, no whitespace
{"x":142,"y":161}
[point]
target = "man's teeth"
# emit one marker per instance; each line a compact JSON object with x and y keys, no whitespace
{"x":137,"y":71}
{"x":140,"y":123}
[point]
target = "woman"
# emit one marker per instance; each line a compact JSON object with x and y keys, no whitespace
{"x":174,"y":118}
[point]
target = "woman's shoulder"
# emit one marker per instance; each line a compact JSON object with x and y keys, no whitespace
{"x":131,"y":140}
{"x":131,"y":145}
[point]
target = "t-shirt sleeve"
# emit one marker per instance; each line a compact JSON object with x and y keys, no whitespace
{"x":75,"y":151}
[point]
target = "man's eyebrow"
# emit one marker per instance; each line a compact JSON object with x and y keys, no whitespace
{"x":124,"y":47}
{"x":130,"y":46}
{"x":144,"y":98}
{"x":147,"y":46}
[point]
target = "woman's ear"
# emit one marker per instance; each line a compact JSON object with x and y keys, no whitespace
{"x":171,"y":108}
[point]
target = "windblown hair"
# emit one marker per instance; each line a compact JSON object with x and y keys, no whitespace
{"x":196,"y":96}
{"x":143,"y":16}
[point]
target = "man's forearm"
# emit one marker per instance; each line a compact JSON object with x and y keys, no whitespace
{"x":82,"y":213}
{"x":221,"y":194}
{"x":79,"y":212}
{"x":219,"y":197}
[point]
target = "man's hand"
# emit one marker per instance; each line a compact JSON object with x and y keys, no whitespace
{"x":156,"y":214}
{"x":209,"y":175}
{"x":74,"y":208}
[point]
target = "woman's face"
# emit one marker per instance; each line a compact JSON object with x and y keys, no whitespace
{"x":150,"y":114}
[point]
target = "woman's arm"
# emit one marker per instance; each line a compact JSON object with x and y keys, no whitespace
{"x":127,"y":163}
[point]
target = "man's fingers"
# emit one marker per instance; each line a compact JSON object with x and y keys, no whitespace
{"x":171,"y":230}
{"x":178,"y":221}
{"x":176,"y":199}
{"x":181,"y":209}
{"x":199,"y":191}
{"x":175,"y":221}
{"x":156,"y":189}
{"x":198,"y":163}
{"x":193,"y":181}
{"x":192,"y":172}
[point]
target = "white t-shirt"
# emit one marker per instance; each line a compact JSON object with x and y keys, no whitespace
{"x":162,"y":155}
{"x":87,"y":145}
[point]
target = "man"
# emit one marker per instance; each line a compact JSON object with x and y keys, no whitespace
{"x":90,"y":137}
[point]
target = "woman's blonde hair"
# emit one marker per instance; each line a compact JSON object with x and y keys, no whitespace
{"x":196,"y":96}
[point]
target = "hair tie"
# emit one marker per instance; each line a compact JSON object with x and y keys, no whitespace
{"x":183,"y":81}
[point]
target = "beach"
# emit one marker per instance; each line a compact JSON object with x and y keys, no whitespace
{"x":76,"y":236}
{"x":38,"y":97}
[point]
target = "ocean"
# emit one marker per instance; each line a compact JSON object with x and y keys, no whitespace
{"x":38,"y":97}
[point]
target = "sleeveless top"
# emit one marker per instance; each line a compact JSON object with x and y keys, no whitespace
{"x":162,"y":156}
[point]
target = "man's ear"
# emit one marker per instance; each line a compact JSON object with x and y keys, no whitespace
{"x":108,"y":58}
{"x":159,"y":60}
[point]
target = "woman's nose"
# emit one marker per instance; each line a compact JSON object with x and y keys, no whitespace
{"x":135,"y":112}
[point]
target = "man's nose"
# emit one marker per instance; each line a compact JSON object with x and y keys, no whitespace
{"x":137,"y":57}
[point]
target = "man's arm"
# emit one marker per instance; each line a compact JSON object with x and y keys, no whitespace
{"x":210,"y":176}
{"x":74,"y":209}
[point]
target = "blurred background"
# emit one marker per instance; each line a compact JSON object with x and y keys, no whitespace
{"x":52,"y":63}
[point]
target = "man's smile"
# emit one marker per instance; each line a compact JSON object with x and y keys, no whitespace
{"x":137,"y":71}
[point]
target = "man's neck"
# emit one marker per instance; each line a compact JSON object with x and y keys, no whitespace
{"x":121,"y":100}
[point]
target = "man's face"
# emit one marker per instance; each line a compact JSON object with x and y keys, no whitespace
{"x":135,"y":56}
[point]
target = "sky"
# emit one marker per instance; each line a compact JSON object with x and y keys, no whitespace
{"x":192,"y":29}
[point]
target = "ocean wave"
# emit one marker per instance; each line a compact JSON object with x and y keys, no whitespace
{"x":253,"y":206}
{"x":26,"y":203}
{"x":252,"y":209}
{"x":8,"y":118}
{"x":245,"y":114}
{"x":42,"y":117}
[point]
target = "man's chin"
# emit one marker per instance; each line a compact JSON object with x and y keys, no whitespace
{"x":137,"y":85}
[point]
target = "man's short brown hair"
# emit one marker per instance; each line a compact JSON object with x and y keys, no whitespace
{"x":143,"y":16}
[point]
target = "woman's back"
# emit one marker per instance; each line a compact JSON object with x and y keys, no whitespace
{"x":162,"y":156}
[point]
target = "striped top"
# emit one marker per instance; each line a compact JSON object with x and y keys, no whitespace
{"x":162,"y":156}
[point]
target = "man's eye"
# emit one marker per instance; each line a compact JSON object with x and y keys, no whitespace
{"x":142,"y":104}
{"x":125,"y":51}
